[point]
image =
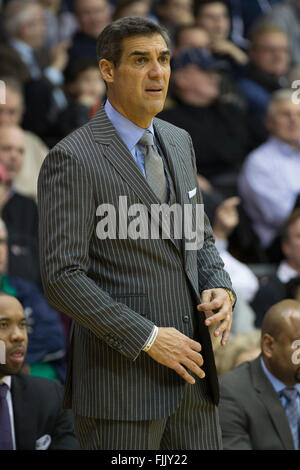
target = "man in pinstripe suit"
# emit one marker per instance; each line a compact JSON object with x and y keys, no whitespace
{"x":136,"y":378}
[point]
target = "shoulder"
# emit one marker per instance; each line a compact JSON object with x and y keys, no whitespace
{"x":39,"y":389}
{"x":172,"y":130}
{"x":236,"y":380}
{"x":259,"y":157}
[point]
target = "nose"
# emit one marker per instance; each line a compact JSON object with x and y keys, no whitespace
{"x":18,"y":334}
{"x":156,"y":70}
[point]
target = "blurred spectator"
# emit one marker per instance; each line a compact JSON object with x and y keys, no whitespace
{"x":124,"y":8}
{"x":286,"y":16}
{"x":60,"y":25}
{"x":18,"y":212}
{"x":31,"y":407}
{"x":92,"y":17}
{"x":218,"y":129}
{"x":269,"y":182}
{"x":244,"y":14}
{"x":267,"y":72}
{"x":213,"y":16}
{"x":38,"y":68}
{"x":11,"y":113}
{"x":258,"y":400}
{"x":274,"y":288}
{"x":240,"y":348}
{"x":174,"y":13}
{"x":190,"y":36}
{"x":225,"y":221}
{"x":293,"y":289}
{"x":47,"y":343}
{"x":86,"y":91}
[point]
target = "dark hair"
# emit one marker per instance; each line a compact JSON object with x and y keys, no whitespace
{"x":292,"y":287}
{"x":109,"y":42}
{"x":76,"y":67}
{"x":285,"y":232}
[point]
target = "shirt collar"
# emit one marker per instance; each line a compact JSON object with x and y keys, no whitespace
{"x":129,"y":132}
{"x":277,"y":384}
{"x":284,"y":148}
{"x":6,"y":380}
{"x":285,"y":272}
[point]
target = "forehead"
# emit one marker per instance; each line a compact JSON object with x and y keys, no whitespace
{"x":153,"y":44}
{"x":287,"y":105}
{"x":272,"y":38}
{"x":291,"y":326}
{"x":13,"y":136}
{"x":11,"y":308}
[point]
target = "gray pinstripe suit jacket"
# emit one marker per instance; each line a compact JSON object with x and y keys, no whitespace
{"x":116,"y":290}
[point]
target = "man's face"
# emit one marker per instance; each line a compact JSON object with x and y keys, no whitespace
{"x":214,"y":18}
{"x":282,"y":362}
{"x":33,"y":32}
{"x":92,"y":16}
{"x":284,"y":121}
{"x":138,"y":85}
{"x":11,"y":112}
{"x":195,"y":86}
{"x":12,"y":149}
{"x":291,"y":246}
{"x":270,"y":53}
{"x":13,"y":332}
{"x":193,"y":37}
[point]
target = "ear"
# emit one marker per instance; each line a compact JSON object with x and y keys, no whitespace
{"x":267,"y":345}
{"x":107,"y":70}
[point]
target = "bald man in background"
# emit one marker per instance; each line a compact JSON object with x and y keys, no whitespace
{"x":259,"y":400}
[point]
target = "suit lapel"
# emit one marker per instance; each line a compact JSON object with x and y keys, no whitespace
{"x":120,"y":158}
{"x":272,"y":403}
{"x":23,"y":417}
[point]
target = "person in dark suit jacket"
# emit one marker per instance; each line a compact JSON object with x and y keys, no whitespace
{"x":253,"y":408}
{"x":133,"y":297}
{"x":32,"y":406}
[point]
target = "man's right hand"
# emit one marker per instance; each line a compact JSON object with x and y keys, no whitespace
{"x":175,"y":350}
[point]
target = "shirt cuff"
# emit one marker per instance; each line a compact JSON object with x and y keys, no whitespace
{"x":150,"y":340}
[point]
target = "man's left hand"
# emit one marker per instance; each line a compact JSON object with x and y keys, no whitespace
{"x":216,"y":305}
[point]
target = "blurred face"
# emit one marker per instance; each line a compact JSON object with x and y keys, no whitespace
{"x":279,"y":352}
{"x":13,"y":332}
{"x":215,"y":20}
{"x":177,"y":12}
{"x":92,"y":16}
{"x":12,"y":111}
{"x":291,"y":246}
{"x":3,"y":251}
{"x":270,"y":53}
{"x":284,"y":122}
{"x":138,"y":8}
{"x":138,"y":85}
{"x":196,"y":87}
{"x":33,"y":32}
{"x":11,"y":151}
{"x":88,"y":83}
{"x":193,"y":37}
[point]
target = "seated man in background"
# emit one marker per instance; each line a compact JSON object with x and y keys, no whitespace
{"x":18,"y":212}
{"x":259,"y":400}
{"x":32,"y":417}
{"x":218,"y":129}
{"x":269,"y":183}
{"x":11,"y":113}
{"x":46,"y":353}
{"x":274,"y":289}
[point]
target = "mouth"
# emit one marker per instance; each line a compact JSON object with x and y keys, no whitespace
{"x":154,"y":91}
{"x":17,"y":355}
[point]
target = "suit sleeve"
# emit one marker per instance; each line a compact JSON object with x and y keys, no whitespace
{"x":66,"y":224}
{"x":233,"y":420}
{"x":211,"y":272}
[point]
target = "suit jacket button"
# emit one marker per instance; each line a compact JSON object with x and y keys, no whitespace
{"x":186,"y":318}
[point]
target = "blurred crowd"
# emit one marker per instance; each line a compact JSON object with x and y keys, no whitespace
{"x":235,"y":87}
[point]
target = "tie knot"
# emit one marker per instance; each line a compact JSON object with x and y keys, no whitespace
{"x":290,"y":393}
{"x":146,"y":139}
{"x":3,"y":390}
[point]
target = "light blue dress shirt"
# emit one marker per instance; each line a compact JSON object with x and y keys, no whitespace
{"x":279,"y":386}
{"x":130,"y":133}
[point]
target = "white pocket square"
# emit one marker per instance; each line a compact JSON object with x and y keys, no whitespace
{"x":192,"y":192}
{"x":43,"y":442}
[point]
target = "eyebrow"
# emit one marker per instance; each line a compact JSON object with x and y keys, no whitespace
{"x":147,"y":53}
{"x":9,"y":319}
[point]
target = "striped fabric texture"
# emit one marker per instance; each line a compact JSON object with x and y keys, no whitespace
{"x":115,"y":291}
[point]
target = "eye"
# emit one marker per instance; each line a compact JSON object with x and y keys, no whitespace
{"x":140,"y":60}
{"x":3,"y":324}
{"x":164,"y":59}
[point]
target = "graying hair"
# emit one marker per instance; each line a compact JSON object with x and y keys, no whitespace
{"x":285,"y":94}
{"x":17,"y":13}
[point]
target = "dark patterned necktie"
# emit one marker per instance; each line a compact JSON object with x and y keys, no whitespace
{"x":292,"y":412}
{"x":154,"y":167}
{"x":6,"y":442}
